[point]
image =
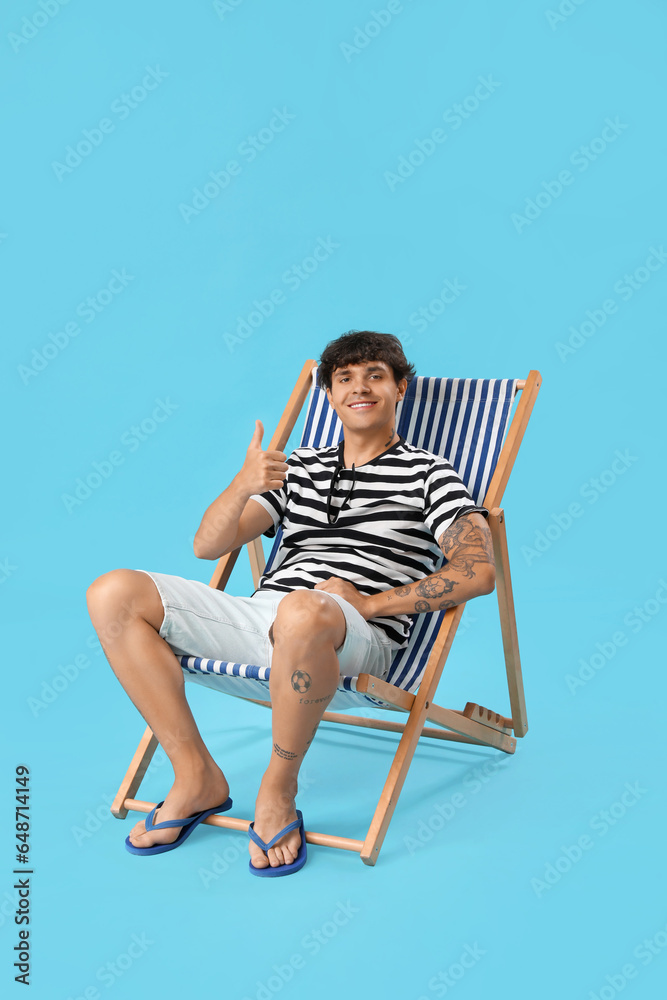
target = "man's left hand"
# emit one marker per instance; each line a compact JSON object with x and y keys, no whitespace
{"x":347,"y":590}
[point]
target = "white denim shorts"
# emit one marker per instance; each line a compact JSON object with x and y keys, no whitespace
{"x":202,"y":621}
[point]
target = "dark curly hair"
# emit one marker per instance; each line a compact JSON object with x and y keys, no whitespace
{"x":364,"y":345}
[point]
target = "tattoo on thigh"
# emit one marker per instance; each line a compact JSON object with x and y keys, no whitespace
{"x":285,"y":754}
{"x":301,"y":681}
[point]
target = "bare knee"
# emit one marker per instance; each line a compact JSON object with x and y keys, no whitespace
{"x":121,"y":596}
{"x":308,"y":616}
{"x":110,"y":590}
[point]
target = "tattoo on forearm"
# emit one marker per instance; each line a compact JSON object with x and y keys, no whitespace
{"x":300,"y":681}
{"x":464,"y":545}
{"x":435,"y":586}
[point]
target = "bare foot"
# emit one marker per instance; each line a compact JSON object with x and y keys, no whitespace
{"x":274,"y":809}
{"x":190,"y":795}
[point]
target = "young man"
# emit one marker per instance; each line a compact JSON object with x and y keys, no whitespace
{"x":360,"y":525}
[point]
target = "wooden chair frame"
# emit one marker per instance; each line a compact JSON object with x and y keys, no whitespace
{"x":474,"y":724}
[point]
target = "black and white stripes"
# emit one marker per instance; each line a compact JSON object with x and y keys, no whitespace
{"x":384,"y":536}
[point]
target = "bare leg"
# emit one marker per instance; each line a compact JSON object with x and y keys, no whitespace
{"x":308,"y":628}
{"x":126,"y":611}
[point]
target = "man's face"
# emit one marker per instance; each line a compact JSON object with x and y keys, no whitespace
{"x":365,"y":395}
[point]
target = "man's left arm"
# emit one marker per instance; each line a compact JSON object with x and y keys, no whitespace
{"x":469,"y":572}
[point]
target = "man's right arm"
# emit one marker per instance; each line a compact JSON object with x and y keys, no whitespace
{"x":231,"y":520}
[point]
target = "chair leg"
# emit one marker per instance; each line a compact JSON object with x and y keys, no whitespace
{"x":392,"y":788}
{"x":508,"y":621}
{"x":135,"y":773}
{"x":410,"y":738}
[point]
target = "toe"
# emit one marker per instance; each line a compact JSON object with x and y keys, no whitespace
{"x":258,"y":858}
{"x":136,"y":832}
{"x":288,"y":854}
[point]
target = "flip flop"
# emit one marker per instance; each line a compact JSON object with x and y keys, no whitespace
{"x":299,"y":862}
{"x":188,"y":825}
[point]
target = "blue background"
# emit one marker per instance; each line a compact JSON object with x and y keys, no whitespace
{"x":360,"y":102}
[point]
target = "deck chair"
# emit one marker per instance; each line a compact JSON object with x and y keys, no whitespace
{"x":467,"y":422}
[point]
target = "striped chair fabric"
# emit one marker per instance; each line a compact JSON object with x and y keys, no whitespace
{"x":462,"y":420}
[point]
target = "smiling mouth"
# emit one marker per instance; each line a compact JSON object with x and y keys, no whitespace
{"x":362,"y":406}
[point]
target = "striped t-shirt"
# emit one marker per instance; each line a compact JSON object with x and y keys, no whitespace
{"x":386,"y":533}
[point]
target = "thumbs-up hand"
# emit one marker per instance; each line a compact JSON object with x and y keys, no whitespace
{"x":262,"y":470}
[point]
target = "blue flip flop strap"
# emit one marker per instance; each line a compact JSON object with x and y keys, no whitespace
{"x":150,"y":825}
{"x":148,"y":822}
{"x":274,"y":840}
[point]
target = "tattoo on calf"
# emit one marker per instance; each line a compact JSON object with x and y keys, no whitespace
{"x":313,"y":701}
{"x":312,"y":736}
{"x":289,"y":754}
{"x":300,"y":681}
